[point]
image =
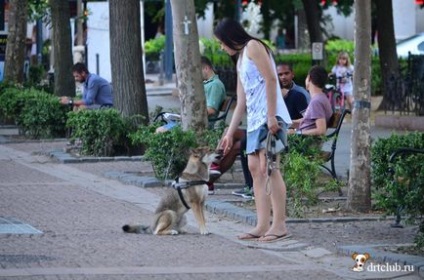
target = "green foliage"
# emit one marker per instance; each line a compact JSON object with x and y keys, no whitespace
{"x":38,"y":114}
{"x":11,"y":102}
{"x":212,"y":50}
{"x":167,"y":151}
{"x":37,"y":9}
{"x":154,"y":47}
{"x":100,"y":131}
{"x":419,"y":239}
{"x":42,"y":115}
{"x":404,"y":185}
{"x":302,"y":173}
{"x":333,"y":47}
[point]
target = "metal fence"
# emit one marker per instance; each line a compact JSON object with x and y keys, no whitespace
{"x":405,"y":94}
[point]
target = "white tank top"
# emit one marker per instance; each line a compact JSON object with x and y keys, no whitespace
{"x":255,"y":90}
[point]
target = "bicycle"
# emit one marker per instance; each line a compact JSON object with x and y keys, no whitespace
{"x":334,"y":93}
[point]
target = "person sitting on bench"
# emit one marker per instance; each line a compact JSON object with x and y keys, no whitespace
{"x":319,"y":111}
{"x":214,"y":91}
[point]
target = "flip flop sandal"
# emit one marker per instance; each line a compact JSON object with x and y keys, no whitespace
{"x":248,"y":237}
{"x":275,"y":237}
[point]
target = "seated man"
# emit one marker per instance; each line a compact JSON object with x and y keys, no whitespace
{"x":319,"y":110}
{"x":97,"y":92}
{"x":214,"y":91}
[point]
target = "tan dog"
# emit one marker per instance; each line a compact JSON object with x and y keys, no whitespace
{"x":189,"y":191}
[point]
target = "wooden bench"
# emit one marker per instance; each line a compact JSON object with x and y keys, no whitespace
{"x":225,"y":108}
{"x":334,"y":123}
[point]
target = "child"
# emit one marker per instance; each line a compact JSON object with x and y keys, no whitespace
{"x":343,"y":71}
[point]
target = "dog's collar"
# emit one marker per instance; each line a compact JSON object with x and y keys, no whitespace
{"x":183,"y":185}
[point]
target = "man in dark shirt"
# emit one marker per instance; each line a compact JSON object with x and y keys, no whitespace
{"x":295,"y":97}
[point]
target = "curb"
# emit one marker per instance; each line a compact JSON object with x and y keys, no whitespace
{"x":64,"y":157}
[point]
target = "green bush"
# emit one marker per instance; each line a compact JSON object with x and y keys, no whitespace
{"x":38,"y":114}
{"x":154,"y":47}
{"x":168,"y":151}
{"x":12,"y":101}
{"x":302,"y":173}
{"x":403,"y":187}
{"x":334,"y":47}
{"x":100,"y":131}
{"x":406,"y":186}
{"x":42,"y":115}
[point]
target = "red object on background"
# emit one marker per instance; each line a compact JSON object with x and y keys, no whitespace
{"x":419,"y":2}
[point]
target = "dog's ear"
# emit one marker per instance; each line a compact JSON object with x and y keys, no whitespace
{"x":367,"y":256}
{"x":354,"y":255}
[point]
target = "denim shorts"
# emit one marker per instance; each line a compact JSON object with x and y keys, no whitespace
{"x":256,"y":140}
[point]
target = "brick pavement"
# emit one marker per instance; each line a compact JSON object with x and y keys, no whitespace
{"x":79,"y":211}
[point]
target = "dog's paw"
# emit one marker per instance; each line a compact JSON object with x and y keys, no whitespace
{"x":204,"y":232}
{"x":173,"y":232}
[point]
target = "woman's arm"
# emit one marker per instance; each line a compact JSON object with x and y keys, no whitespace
{"x":239,"y":110}
{"x":259,"y":55}
{"x":228,"y":139}
{"x":320,"y":130}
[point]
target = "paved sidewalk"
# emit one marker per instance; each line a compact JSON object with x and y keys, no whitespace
{"x":79,"y":208}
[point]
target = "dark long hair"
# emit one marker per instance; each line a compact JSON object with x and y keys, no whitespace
{"x":232,"y":34}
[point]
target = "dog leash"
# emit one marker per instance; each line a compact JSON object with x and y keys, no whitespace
{"x":271,"y":158}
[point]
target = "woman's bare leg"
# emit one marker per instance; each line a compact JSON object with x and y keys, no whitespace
{"x":262,"y":200}
{"x":277,"y":188}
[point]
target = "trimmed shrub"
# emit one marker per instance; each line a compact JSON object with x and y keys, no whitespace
{"x":101,"y":131}
{"x":399,"y":185}
{"x":37,"y":113}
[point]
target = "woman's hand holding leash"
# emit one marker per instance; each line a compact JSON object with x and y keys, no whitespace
{"x":273,"y":125}
{"x":226,"y":143}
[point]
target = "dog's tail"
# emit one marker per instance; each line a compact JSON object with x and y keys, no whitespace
{"x":137,"y":229}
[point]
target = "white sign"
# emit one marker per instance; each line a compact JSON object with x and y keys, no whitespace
{"x":317,"y":51}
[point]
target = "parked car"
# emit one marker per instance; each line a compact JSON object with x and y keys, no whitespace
{"x":413,"y":45}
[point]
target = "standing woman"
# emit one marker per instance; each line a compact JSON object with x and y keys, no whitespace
{"x":258,"y":94}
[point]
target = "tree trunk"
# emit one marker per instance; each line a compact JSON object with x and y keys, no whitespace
{"x":313,"y":20}
{"x":302,"y":28}
{"x":126,"y":56}
{"x":16,"y":45}
{"x":188,"y":67}
{"x":359,"y":195}
{"x":389,"y":63}
{"x":313,"y":17}
{"x":64,"y":84}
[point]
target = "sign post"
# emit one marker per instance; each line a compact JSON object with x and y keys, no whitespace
{"x":317,"y":52}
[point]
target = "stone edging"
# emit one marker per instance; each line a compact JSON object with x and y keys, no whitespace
{"x":65,"y":157}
